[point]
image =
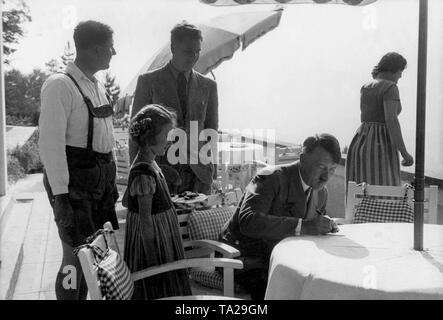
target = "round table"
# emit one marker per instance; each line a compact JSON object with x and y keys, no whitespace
{"x":362,"y":261}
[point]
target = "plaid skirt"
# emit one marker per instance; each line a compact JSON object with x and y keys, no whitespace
{"x":372,"y":157}
{"x":166,"y":247}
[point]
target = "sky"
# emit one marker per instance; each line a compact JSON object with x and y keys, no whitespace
{"x":301,"y":78}
{"x":140,"y":28}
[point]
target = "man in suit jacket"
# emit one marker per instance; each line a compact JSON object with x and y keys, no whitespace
{"x":190,"y":94}
{"x":279,"y":202}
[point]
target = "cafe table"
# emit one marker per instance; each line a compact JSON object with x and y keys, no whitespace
{"x":182,"y":203}
{"x":361,"y":261}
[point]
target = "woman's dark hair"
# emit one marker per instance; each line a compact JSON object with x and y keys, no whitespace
{"x":148,"y":123}
{"x":88,"y":33}
{"x":327,"y":142}
{"x":390,"y":62}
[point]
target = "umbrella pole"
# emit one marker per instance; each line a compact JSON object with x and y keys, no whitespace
{"x":421,"y":125}
{"x":3,"y":159}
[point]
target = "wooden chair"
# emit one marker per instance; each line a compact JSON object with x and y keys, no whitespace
{"x":200,"y":229}
{"x":90,"y":272}
{"x":122,"y":164}
{"x":389,"y":193}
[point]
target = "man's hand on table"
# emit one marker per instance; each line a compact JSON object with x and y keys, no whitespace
{"x":322,"y":224}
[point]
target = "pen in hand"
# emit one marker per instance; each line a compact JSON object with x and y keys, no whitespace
{"x":334,"y":227}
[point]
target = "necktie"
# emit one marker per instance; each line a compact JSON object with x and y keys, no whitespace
{"x":182,"y":90}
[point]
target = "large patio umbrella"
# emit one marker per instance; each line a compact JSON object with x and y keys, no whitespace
{"x":421,"y":94}
{"x":238,"y":2}
{"x":222,"y":36}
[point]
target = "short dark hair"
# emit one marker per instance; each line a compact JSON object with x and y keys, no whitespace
{"x":185,"y":30}
{"x":148,"y":123}
{"x":390,"y":62}
{"x":88,"y":33}
{"x":327,"y":142}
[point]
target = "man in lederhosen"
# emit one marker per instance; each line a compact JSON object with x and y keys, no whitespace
{"x":76,"y":142}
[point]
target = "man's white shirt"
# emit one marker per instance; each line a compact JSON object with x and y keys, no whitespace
{"x":64,"y":121}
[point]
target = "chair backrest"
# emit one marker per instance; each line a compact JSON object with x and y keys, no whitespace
{"x":122,"y":164}
{"x":390,"y":193}
{"x":207,"y":224}
{"x":212,"y":218}
{"x":86,"y":257}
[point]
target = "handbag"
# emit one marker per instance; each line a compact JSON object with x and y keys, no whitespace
{"x":375,"y":210}
{"x":113,"y":273}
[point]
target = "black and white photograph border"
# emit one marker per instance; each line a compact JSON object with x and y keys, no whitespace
{"x":266,"y":81}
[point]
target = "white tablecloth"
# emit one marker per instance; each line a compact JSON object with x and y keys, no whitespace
{"x":362,"y":261}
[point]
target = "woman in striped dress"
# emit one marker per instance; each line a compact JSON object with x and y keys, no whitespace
{"x":373,"y":153}
{"x":152,"y":231}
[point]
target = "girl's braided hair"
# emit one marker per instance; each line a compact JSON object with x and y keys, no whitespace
{"x":148,"y":123}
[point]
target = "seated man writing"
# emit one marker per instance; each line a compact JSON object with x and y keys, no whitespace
{"x":279,"y":202}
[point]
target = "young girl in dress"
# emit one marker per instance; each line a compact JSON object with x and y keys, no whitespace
{"x":152,"y":232}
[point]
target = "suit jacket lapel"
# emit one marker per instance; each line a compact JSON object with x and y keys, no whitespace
{"x":168,"y":87}
{"x":296,"y":195}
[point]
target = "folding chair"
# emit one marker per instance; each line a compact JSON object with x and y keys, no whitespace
{"x":89,"y":269}
{"x":388,"y":193}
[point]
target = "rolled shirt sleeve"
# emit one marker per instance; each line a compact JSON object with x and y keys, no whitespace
{"x":255,"y":217}
{"x":56,"y":104}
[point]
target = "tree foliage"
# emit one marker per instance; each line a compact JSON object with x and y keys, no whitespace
{"x":112,"y":87}
{"x":14,"y":15}
{"x":56,"y":65}
{"x":22,"y":95}
{"x":68,"y":54}
{"x":22,"y":91}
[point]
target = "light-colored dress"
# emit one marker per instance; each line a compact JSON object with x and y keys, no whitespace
{"x":147,"y":179}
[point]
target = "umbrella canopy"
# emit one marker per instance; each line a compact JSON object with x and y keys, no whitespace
{"x":222,"y":36}
{"x":237,"y":2}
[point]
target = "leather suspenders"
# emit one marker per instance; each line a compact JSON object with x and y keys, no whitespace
{"x":91,"y":113}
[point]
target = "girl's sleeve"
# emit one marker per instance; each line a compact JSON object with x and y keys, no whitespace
{"x":142,"y":185}
{"x":391,"y":93}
